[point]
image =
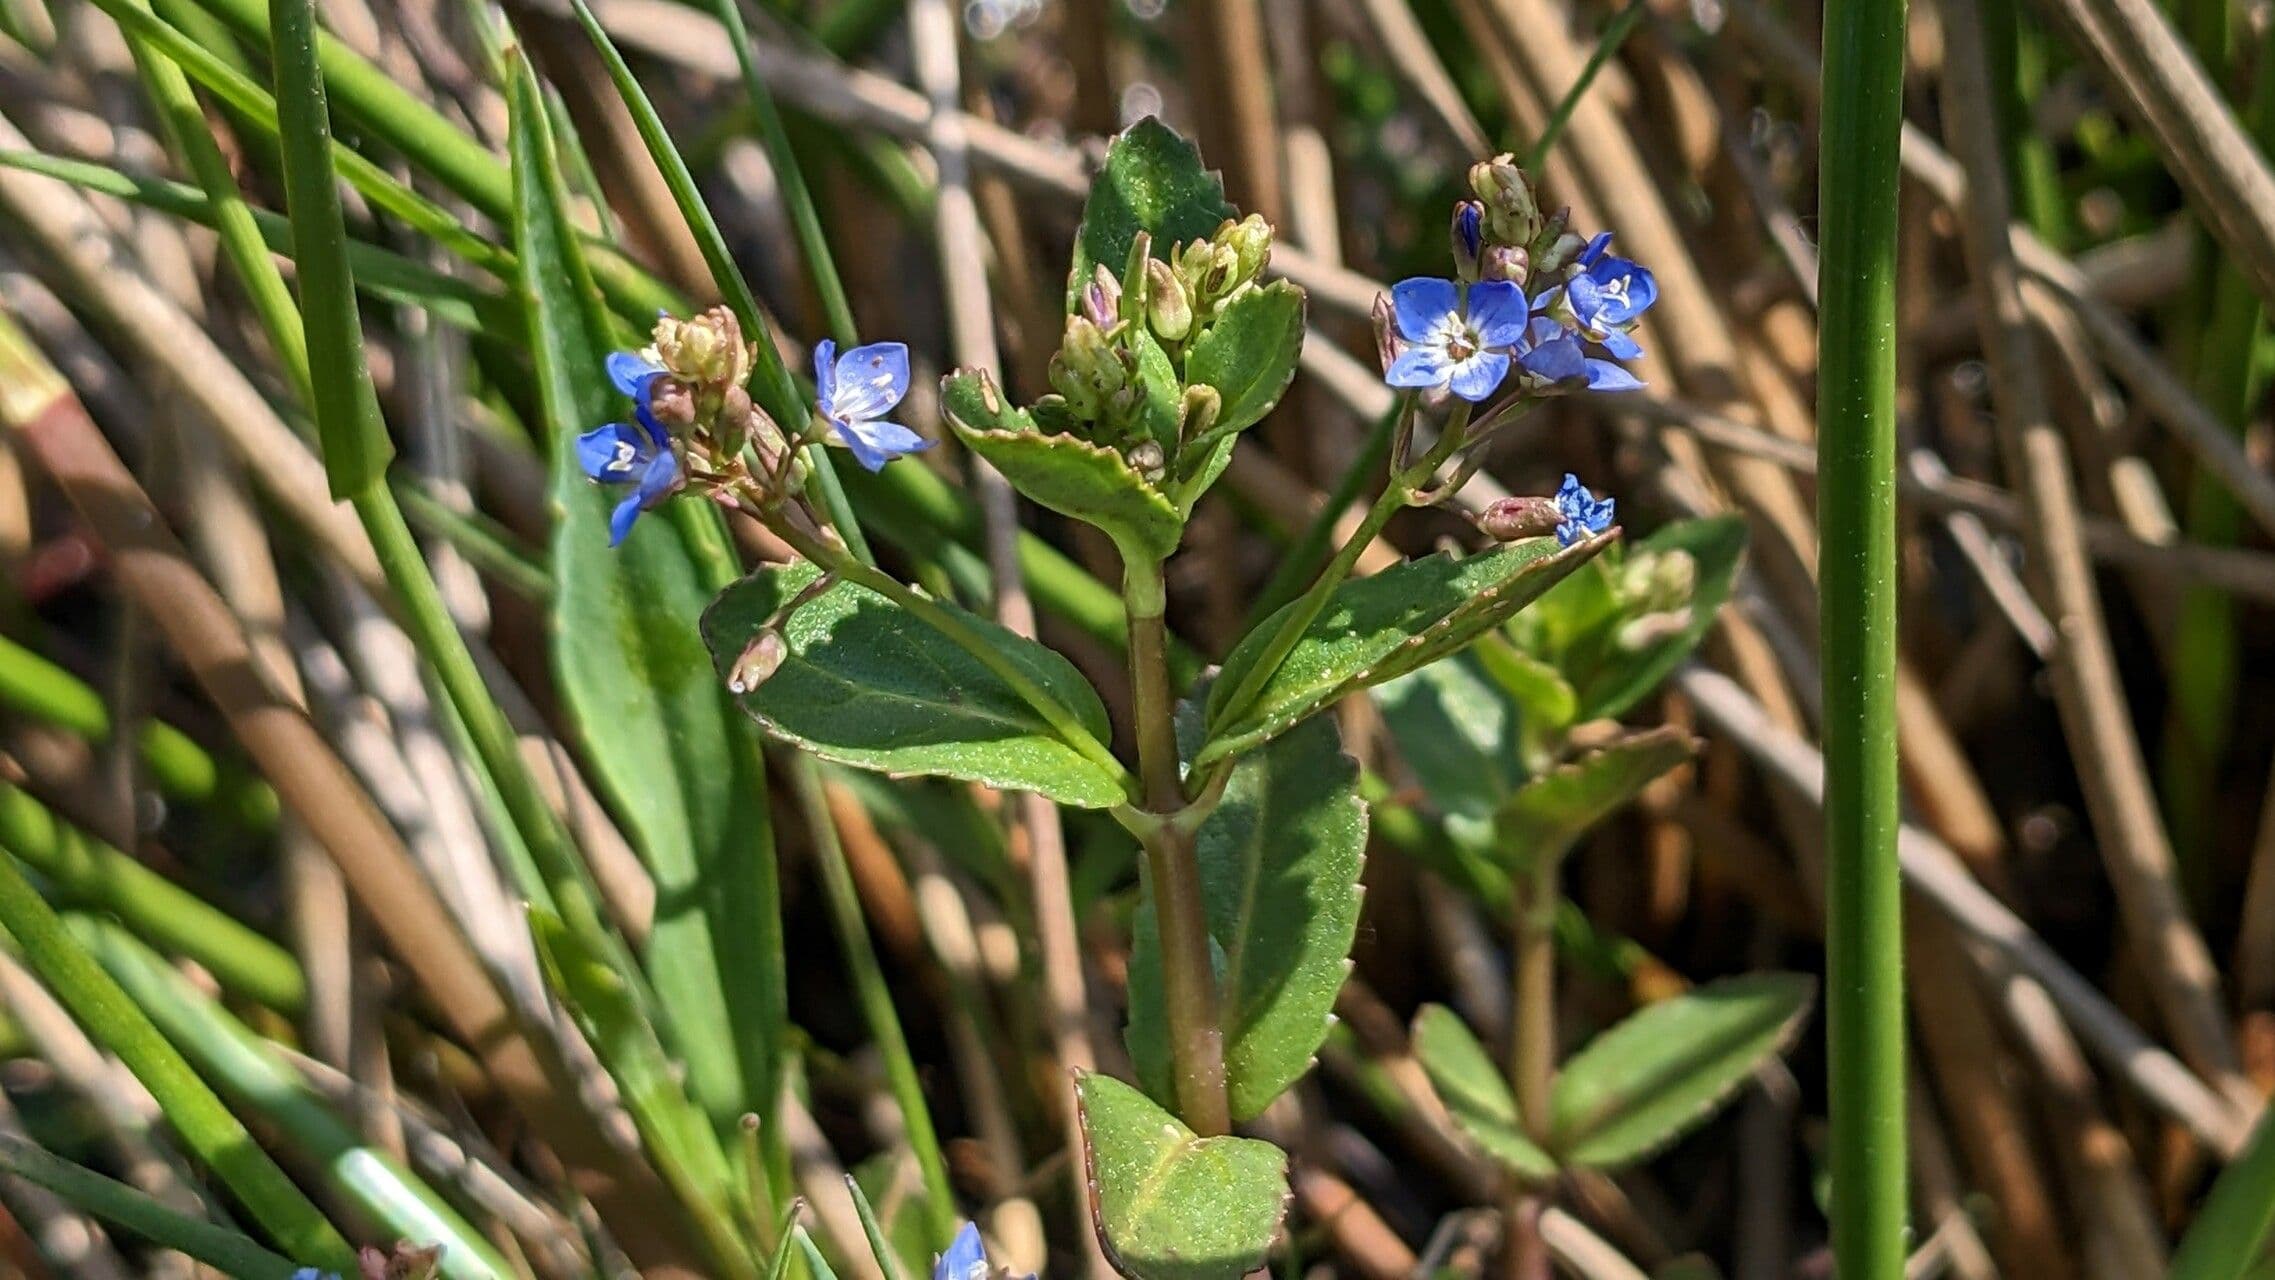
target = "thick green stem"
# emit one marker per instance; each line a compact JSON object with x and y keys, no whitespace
{"x":1307,"y":607}
{"x":1188,"y":977}
{"x":1856,"y":434}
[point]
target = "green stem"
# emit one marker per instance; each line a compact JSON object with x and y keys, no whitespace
{"x":1188,"y":976}
{"x":844,"y":899}
{"x":85,"y":870}
{"x":1856,"y":470}
{"x":117,"y":1203}
{"x":2238,"y":1216}
{"x":1307,"y":607}
{"x":1299,"y":558}
{"x":1606,"y":46}
{"x":948,"y":622}
{"x":204,"y":1125}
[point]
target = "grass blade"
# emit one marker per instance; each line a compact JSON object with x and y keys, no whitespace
{"x":122,"y":1205}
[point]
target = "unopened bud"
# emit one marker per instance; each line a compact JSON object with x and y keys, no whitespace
{"x":1168,"y":305}
{"x":1511,"y":519}
{"x":672,"y":402}
{"x":1088,"y":369}
{"x":1655,"y":581}
{"x":1557,"y":246}
{"x":761,"y":658}
{"x":1198,"y":411}
{"x":1512,"y":211}
{"x":1468,"y":237}
{"x":1249,"y":241}
{"x":1506,"y":262}
{"x":1102,"y":297}
{"x":706,"y":350}
{"x":1148,"y":460}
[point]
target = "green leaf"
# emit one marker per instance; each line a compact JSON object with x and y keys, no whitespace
{"x":1170,"y":1205}
{"x":653,"y":727}
{"x":1545,"y":816}
{"x":1279,"y":862}
{"x":1160,"y":391}
{"x":1249,"y":354}
{"x":1068,"y":475}
{"x":685,"y":1147}
{"x":1457,"y":732}
{"x":354,"y":438}
{"x":1153,"y":182}
{"x":866,"y":683}
{"x":1718,"y":545}
{"x":1647,"y":1081}
{"x":230,"y":1252}
{"x":1475,"y":1095}
{"x":1378,"y":628}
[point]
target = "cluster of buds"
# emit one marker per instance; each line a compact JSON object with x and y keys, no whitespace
{"x":702,"y":395}
{"x":1654,"y":589}
{"x":1501,"y":233}
{"x":1104,"y":389}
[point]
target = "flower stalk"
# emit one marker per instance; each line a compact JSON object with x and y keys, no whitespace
{"x":1532,"y":1055}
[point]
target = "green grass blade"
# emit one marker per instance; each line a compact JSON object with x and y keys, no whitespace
{"x":33,"y":686}
{"x":356,"y":447}
{"x":880,"y":1247}
{"x":198,"y":1118}
{"x":2238,"y":1216}
{"x":1856,"y":477}
{"x":121,"y":1205}
{"x":243,"y":1066}
{"x":672,"y":754}
{"x":84,"y":870}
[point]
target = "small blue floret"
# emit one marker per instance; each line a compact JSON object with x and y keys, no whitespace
{"x":1455,"y":337}
{"x":1584,"y":514}
{"x":966,"y":1258}
{"x":637,"y":455}
{"x":855,"y":394}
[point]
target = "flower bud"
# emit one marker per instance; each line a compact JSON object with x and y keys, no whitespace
{"x":1147,"y":459}
{"x":1087,"y":370}
{"x":1557,"y":246}
{"x":673,"y":402}
{"x":1102,"y":298}
{"x":1198,"y":411}
{"x":707,"y":350}
{"x":1512,"y":211}
{"x":761,"y":658}
{"x":1468,"y":236}
{"x":1511,"y":519}
{"x":1506,"y":262}
{"x":1249,"y":243}
{"x":1168,"y":304}
{"x":1653,"y":582}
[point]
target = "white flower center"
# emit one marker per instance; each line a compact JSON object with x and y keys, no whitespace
{"x":1616,"y":290}
{"x":625,"y":454}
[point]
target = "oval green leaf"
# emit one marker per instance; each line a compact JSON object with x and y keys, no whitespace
{"x":1652,"y":1078}
{"x":1249,"y":355}
{"x":1547,"y":815}
{"x":1475,"y":1095}
{"x":869,"y":684}
{"x":1279,"y":861}
{"x":1154,"y":182}
{"x":1379,"y":628}
{"x":1169,"y":1205}
{"x":1071,"y":476}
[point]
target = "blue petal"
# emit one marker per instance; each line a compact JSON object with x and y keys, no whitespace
{"x":1419,"y":366}
{"x":1620,"y":344}
{"x":1497,"y":311}
{"x":1595,"y":248}
{"x":611,"y":453}
{"x":869,"y":382}
{"x":1586,"y":294}
{"x":825,"y":373}
{"x":1559,"y":359}
{"x":1603,"y":375}
{"x":1642,"y":288}
{"x":966,"y":1258}
{"x":631,"y":372}
{"x":1421,"y":303}
{"x":875,"y":443}
{"x":658,"y":479}
{"x":620,"y":520}
{"x":1475,"y":378}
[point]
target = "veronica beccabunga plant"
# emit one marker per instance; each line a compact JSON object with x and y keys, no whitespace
{"x":1176,"y":340}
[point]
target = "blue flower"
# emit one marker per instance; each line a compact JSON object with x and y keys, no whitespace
{"x":966,"y":1258}
{"x":311,"y":1273}
{"x":638,"y":455}
{"x":1607,"y":295}
{"x":1584,"y":515}
{"x":1455,"y":337}
{"x":1551,"y":354}
{"x":855,"y":395}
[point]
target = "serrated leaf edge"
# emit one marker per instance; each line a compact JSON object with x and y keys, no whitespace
{"x":1090,"y":1173}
